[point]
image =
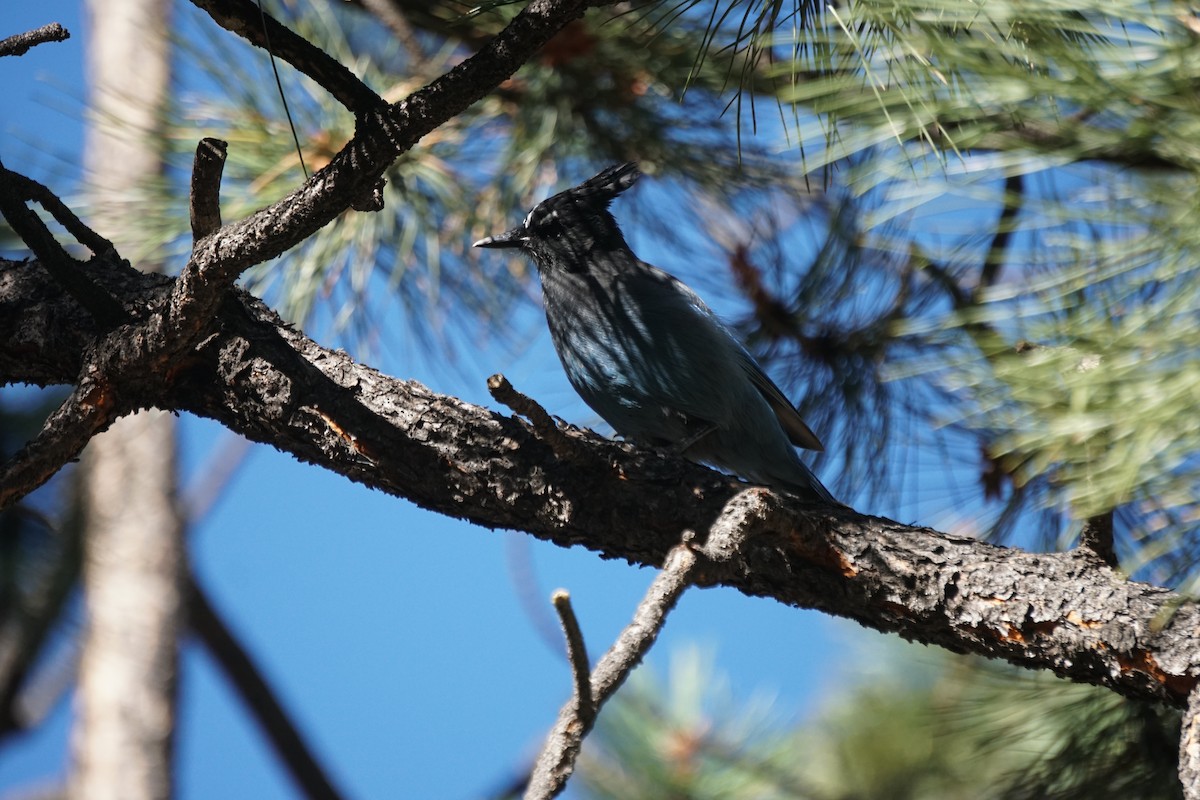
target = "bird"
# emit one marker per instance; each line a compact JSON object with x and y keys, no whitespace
{"x":647,"y":354}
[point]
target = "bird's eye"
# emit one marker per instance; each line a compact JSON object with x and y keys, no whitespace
{"x":549,"y":227}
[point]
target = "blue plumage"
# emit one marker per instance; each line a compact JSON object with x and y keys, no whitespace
{"x":645,"y":352}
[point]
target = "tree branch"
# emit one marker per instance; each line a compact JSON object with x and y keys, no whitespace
{"x":557,"y":760}
{"x":30,"y":189}
{"x":993,"y":259}
{"x":581,"y":668}
{"x":22,"y":43}
{"x":256,"y":693}
{"x":207,"y":168}
{"x":543,"y":423}
{"x":259,"y":377}
{"x":27,"y":695}
{"x":249,"y":21}
{"x":87,"y":411}
{"x":1097,"y":538}
{"x":383,"y":133}
{"x":50,"y":253}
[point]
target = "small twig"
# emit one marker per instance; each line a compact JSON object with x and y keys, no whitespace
{"x":87,"y":411}
{"x":556,"y":762}
{"x":65,"y":270}
{"x":40,"y":194}
{"x":527,"y":407}
{"x":634,"y":642}
{"x":207,"y":167}
{"x":257,"y":694}
{"x":581,"y":669}
{"x":1097,"y":537}
{"x":21,"y":43}
{"x":199,"y":290}
{"x":1189,"y":748}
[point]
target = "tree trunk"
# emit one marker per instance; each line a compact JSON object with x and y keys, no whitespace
{"x":133,"y":540}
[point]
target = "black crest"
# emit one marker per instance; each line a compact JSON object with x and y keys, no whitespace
{"x":563,"y":229}
{"x":602,"y":188}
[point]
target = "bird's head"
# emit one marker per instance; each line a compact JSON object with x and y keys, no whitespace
{"x":564,"y":231}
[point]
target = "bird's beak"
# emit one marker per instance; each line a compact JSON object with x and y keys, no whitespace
{"x":513,"y":238}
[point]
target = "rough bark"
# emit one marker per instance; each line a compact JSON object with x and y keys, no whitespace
{"x":1063,"y":612}
{"x":193,"y":344}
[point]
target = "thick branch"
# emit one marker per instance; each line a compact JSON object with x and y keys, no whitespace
{"x":260,"y":378}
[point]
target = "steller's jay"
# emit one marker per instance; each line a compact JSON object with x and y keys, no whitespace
{"x":646,"y":353}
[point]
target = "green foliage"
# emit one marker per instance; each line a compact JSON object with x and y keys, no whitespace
{"x":964,"y":237}
{"x":582,"y":101}
{"x":956,"y":729}
{"x":1047,"y":354}
{"x":686,"y":737}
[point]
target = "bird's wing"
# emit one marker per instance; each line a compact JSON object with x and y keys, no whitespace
{"x":797,"y":431}
{"x":789,"y":418}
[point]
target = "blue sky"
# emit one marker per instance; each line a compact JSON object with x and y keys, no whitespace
{"x":396,"y":637}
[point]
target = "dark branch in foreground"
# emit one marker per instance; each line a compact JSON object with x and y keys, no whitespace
{"x":1060,"y":612}
{"x":382,"y":132}
{"x":30,"y":189}
{"x":87,"y":411}
{"x":22,"y":43}
{"x":249,"y":21}
{"x":1097,"y":538}
{"x":14,"y":192}
{"x":205,"y":204}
